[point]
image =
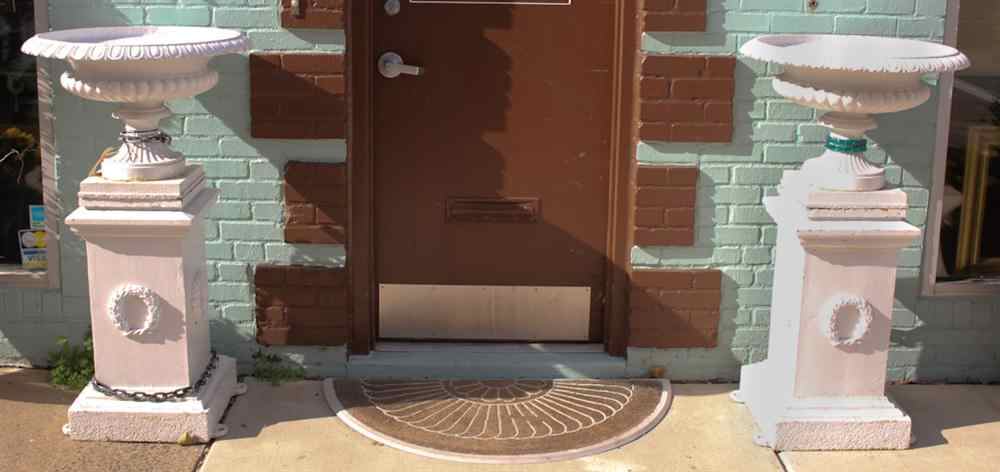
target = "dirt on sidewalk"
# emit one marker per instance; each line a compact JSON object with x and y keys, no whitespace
{"x":32,"y":414}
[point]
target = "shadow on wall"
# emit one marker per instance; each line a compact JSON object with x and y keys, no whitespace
{"x":32,"y":319}
{"x":225,"y":135}
{"x":934,"y":339}
{"x":479,"y":119}
{"x":746,"y":289}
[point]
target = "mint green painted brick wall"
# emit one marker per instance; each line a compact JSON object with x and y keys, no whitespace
{"x":934,"y":339}
{"x":212,"y":130}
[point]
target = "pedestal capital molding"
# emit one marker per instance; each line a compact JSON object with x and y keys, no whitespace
{"x":119,"y":317}
{"x":847,"y":319}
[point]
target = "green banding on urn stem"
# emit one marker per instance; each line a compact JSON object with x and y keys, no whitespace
{"x":849,"y":146}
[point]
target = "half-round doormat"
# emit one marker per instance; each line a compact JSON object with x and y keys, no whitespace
{"x":500,"y":421}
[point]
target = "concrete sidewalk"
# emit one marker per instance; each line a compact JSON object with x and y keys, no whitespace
{"x":32,"y":414}
{"x":291,"y":428}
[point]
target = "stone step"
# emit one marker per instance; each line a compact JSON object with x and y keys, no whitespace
{"x":478,"y":362}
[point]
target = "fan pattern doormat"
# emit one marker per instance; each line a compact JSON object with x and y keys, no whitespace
{"x":500,"y":421}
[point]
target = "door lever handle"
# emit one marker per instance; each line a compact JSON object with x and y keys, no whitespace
{"x":391,"y":65}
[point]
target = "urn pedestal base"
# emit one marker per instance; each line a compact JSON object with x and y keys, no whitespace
{"x":97,"y":417}
{"x":148,"y":310}
{"x":822,"y":386}
{"x":819,"y":423}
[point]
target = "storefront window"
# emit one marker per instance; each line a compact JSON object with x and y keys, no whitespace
{"x":970,"y":223}
{"x":20,"y":159}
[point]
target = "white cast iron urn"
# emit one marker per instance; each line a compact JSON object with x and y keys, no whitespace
{"x":156,"y":378}
{"x":140,"y":67}
{"x":851,"y":77}
{"x":839,"y":233}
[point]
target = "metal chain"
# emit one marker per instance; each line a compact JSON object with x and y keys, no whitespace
{"x":144,"y":136}
{"x":159,"y":397}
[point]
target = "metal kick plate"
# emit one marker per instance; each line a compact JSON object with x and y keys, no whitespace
{"x":484,"y":312}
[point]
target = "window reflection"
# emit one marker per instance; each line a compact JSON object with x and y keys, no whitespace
{"x":970,"y":226}
{"x":20,"y":162}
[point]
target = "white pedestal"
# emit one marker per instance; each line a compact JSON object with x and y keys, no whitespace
{"x":148,"y":302}
{"x":96,"y":417}
{"x":822,"y":386}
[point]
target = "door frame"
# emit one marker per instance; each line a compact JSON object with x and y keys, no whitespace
{"x":361,"y":235}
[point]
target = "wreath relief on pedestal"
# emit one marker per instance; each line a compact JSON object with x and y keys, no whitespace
{"x":846,"y":319}
{"x":119,"y":316}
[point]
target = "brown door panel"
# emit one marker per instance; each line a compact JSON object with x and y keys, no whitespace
{"x":514,"y":104}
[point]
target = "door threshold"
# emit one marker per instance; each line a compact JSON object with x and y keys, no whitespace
{"x":487,"y":347}
{"x":432,"y":360}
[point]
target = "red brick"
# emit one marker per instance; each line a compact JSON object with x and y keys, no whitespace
{"x":654,"y":131}
{"x":269,"y":275}
{"x":265,"y":107}
{"x":667,"y":313}
{"x":674,"y":22}
{"x":321,"y":64}
{"x":316,"y":276}
{"x":286,"y":296}
{"x":723,"y":67}
{"x":651,"y":175}
{"x":649,"y":217}
{"x":330,"y":4}
{"x":281,"y":83}
{"x":718,"y":89}
{"x":300,"y":214}
{"x":262,"y":59}
{"x":692,"y":6}
{"x":659,"y":5}
{"x":705,"y":322}
{"x":275,"y":129}
{"x":299,"y":311}
{"x":331,"y":129}
{"x":331,"y":214}
{"x":690,"y":298}
{"x":710,"y":279}
{"x":673,"y":111}
{"x":272,"y":316}
{"x":335,"y":298}
{"x":332,"y":84}
{"x":315,"y":234}
{"x":663,"y":237}
{"x":319,"y":194}
{"x":719,"y":112}
{"x":665,"y":279}
{"x":682,"y":176}
{"x":701,"y":132}
{"x":330,"y":174}
{"x":313,"y":19}
{"x":308,"y":316}
{"x":679,"y":218}
{"x":654,"y":87}
{"x":273,"y":336}
{"x":673,"y":66}
{"x":329,"y":335}
{"x":668,"y":197}
{"x":314,"y":105}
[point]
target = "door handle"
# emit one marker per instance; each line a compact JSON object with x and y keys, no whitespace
{"x":391,"y":65}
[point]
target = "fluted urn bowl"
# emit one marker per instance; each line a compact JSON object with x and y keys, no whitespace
{"x":140,"y":67}
{"x":851,"y":78}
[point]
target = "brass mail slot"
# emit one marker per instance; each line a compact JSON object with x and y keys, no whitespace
{"x":493,"y":210}
{"x":495,"y":2}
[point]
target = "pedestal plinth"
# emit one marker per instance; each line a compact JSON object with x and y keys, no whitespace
{"x":148,"y":302}
{"x":822,"y":386}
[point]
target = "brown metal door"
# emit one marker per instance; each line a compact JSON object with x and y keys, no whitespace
{"x":491,"y":168}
